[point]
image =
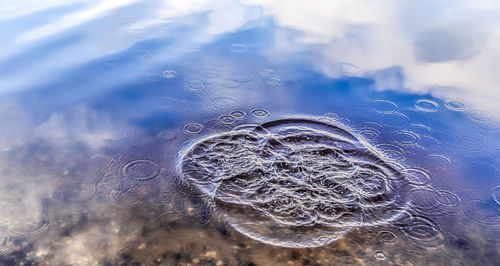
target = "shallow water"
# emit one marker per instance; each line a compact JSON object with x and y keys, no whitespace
{"x":249,"y":133}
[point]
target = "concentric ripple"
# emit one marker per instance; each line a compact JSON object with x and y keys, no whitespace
{"x":293,"y":181}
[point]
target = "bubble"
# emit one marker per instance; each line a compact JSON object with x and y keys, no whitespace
{"x":380,"y":255}
{"x":238,"y":48}
{"x":167,"y":135}
{"x":273,"y":81}
{"x":169,"y":74}
{"x":394,"y":119}
{"x":78,"y":191}
{"x":426,"y":105}
{"x":417,"y":176}
{"x":141,"y":170}
{"x":387,"y":237}
{"x":237,"y":114}
{"x":193,"y":128}
{"x":227,"y":119}
{"x":196,"y":85}
{"x":482,"y":212}
{"x":383,"y":106}
{"x":345,"y":69}
{"x":260,"y":113}
{"x":267,"y":72}
{"x":295,"y":182}
{"x":456,"y":106}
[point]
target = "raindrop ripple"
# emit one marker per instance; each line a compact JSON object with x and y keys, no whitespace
{"x":290,"y":182}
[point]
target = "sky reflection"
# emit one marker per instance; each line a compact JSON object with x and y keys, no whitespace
{"x":91,"y":89}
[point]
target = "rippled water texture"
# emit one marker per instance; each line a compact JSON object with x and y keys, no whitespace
{"x":296,"y":182}
{"x":252,"y":132}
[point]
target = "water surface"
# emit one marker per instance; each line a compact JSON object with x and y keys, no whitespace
{"x":249,"y":133}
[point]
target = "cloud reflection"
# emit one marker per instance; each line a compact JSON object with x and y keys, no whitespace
{"x":436,"y":46}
